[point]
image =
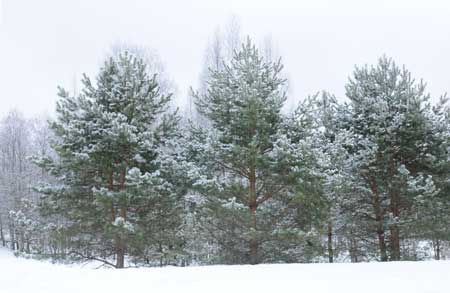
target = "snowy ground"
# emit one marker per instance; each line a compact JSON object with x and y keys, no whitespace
{"x":23,"y":276}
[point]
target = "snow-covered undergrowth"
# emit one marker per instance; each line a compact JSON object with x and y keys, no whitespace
{"x":19,"y":275}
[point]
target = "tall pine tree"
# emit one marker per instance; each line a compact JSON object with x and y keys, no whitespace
{"x":112,"y":143}
{"x":251,"y":169}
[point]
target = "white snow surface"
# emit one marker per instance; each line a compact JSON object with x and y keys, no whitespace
{"x":18,"y":275}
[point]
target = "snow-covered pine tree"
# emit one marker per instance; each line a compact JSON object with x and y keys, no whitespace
{"x":390,"y":126}
{"x":429,"y":219}
{"x":112,"y":143}
{"x":349,"y":210}
{"x":249,"y":169}
{"x":323,"y":115}
{"x":310,"y":130}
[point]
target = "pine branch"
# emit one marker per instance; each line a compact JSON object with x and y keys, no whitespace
{"x":92,"y":258}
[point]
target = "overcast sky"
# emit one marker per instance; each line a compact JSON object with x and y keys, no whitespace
{"x":48,"y":43}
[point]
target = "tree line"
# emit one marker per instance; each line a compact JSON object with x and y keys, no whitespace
{"x":122,"y":177}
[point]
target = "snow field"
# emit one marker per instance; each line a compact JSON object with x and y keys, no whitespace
{"x":19,"y":275}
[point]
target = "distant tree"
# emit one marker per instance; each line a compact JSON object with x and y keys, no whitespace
{"x":15,"y":176}
{"x":20,"y":138}
{"x":154,"y":65}
{"x":219,"y":50}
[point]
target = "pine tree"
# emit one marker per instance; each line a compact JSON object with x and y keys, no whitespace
{"x":249,"y":169}
{"x":325,"y":117}
{"x":112,"y":141}
{"x":429,"y":218}
{"x":390,"y":150}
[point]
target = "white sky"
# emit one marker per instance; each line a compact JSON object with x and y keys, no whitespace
{"x":46,"y":43}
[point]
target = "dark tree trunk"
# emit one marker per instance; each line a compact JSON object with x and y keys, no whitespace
{"x":395,"y":242}
{"x":330,"y":242}
{"x":437,"y":249}
{"x":253,"y":251}
{"x":394,"y":228}
{"x":379,"y":218}
{"x":381,"y":242}
{"x":22,"y":242}
{"x":120,"y":245}
{"x":253,"y":205}
{"x":353,"y":248}
{"x":160,"y":250}
{"x":12,"y":238}
{"x":2,"y":236}
{"x":120,"y":254}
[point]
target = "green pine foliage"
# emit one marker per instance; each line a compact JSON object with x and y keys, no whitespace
{"x":247,"y":182}
{"x":391,"y":148}
{"x":112,"y":143}
{"x":252,"y":172}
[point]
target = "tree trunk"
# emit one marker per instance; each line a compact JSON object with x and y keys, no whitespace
{"x":253,"y":242}
{"x":22,"y":242}
{"x":253,"y":205}
{"x":381,"y":242}
{"x":119,"y":245}
{"x":120,"y":242}
{"x":2,"y":236}
{"x":120,"y":254}
{"x":395,"y":242}
{"x":353,"y":248}
{"x":330,"y":242}
{"x":12,"y":238}
{"x":160,"y":250}
{"x":394,"y":228}
{"x":437,"y":249}
{"x":379,"y":217}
